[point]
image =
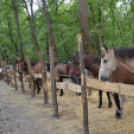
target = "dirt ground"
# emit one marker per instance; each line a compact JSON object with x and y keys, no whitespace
{"x":21,"y":114}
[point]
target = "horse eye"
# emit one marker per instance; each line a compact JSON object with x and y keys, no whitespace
{"x":105,"y":61}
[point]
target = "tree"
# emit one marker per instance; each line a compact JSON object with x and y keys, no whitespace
{"x":32,"y":23}
{"x":88,"y":48}
{"x":11,"y":36}
{"x":50,"y":31}
{"x":14,"y":4}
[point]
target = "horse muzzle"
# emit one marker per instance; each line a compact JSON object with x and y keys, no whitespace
{"x":73,"y":78}
{"x":103,"y":78}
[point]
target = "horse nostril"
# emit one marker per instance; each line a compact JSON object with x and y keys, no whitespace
{"x":104,"y":78}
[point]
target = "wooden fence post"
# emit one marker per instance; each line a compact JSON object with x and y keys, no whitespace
{"x":2,"y":74}
{"x":11,"y":75}
{"x":42,"y":61}
{"x":15,"y":82}
{"x":53,"y":82}
{"x":83,"y":86}
{"x":31,"y":76}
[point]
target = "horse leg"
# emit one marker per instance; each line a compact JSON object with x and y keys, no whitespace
{"x":38,"y":87}
{"x":61,"y":90}
{"x":117,"y":103}
{"x":109,"y":100}
{"x":29,"y":83}
{"x":100,"y":98}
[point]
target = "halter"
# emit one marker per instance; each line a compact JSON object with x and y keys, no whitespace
{"x":76,"y":73}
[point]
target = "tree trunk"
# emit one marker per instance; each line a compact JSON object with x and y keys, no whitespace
{"x":88,"y":48}
{"x":50,"y":31}
{"x":95,"y":34}
{"x":47,"y":45}
{"x":14,"y":4}
{"x":32,"y":26}
{"x":11,"y":37}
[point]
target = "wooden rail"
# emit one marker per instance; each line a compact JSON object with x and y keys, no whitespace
{"x":125,"y":89}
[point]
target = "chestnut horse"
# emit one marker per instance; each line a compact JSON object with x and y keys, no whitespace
{"x":62,"y":71}
{"x":21,"y":67}
{"x":91,"y":63}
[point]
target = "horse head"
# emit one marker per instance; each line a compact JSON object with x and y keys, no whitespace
{"x":74,"y":69}
{"x":21,"y":67}
{"x":108,"y":63}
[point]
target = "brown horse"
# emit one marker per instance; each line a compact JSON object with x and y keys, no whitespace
{"x":112,"y":58}
{"x":62,"y":71}
{"x":91,"y":63}
{"x":22,"y":67}
{"x":120,"y":75}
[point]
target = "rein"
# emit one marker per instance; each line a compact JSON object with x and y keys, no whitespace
{"x":76,"y":73}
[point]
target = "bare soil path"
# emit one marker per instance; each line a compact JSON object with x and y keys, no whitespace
{"x":21,"y":114}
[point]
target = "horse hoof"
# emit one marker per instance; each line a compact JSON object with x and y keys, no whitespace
{"x":109,"y":106}
{"x":117,"y":116}
{"x":61,"y":94}
{"x":99,"y":107}
{"x":78,"y":94}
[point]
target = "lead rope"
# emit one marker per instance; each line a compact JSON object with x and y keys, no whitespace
{"x":68,"y":95}
{"x":123,"y":100}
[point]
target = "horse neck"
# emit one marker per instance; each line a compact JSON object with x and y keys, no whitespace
{"x":92,"y":64}
{"x":128,"y":65}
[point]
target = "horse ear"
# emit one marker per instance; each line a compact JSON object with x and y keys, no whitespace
{"x":74,"y":53}
{"x":104,"y":48}
{"x":76,"y":59}
{"x":18,"y":60}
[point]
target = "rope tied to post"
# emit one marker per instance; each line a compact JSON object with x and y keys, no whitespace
{"x":44,"y":71}
{"x":68,"y":95}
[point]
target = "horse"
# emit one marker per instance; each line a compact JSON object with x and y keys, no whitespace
{"x":120,"y":75}
{"x":22,"y":67}
{"x":113,"y":57}
{"x":62,"y":71}
{"x":91,"y":63}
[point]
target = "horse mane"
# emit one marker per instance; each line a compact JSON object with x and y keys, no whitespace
{"x":124,"y":52}
{"x":32,"y":63}
{"x":93,"y":57}
{"x":48,"y":66}
{"x":68,"y":66}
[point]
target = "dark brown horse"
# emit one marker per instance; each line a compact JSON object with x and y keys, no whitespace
{"x":91,"y":63}
{"x":120,"y":75}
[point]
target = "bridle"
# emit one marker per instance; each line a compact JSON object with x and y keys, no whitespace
{"x":77,"y":74}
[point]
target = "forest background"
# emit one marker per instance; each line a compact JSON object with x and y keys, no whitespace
{"x":24,"y":31}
